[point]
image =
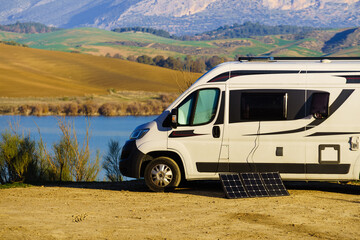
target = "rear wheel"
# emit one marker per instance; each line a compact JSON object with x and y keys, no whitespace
{"x":162,"y":174}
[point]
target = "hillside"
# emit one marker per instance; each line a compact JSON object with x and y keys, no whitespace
{"x":99,"y":42}
{"x":180,"y":17}
{"x":28,"y":72}
{"x":246,"y":30}
{"x":335,"y":42}
{"x":249,"y":29}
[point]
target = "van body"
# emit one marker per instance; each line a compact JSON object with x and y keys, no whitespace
{"x":298,"y":118}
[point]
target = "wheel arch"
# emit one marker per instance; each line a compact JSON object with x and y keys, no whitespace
{"x":173,"y":155}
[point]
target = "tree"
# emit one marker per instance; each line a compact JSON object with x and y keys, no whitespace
{"x":159,"y":61}
{"x":145,"y":60}
{"x":214,"y":61}
{"x":131,"y":58}
{"x":198,"y":66}
{"x":118,"y":56}
{"x":173,"y":63}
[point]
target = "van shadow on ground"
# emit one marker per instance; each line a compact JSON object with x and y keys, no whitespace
{"x":210,"y":188}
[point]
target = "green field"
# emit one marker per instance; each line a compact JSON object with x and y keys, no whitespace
{"x":89,"y":40}
{"x":102,"y":42}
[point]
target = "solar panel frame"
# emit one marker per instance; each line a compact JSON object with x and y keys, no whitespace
{"x":253,"y":184}
{"x":233,"y":186}
{"x":274,"y":184}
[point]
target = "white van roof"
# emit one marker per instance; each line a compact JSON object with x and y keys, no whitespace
{"x":223,"y":72}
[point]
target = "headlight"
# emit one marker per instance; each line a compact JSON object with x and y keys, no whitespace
{"x":137,"y":134}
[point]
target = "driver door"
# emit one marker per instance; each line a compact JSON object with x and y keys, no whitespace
{"x":199,"y":133}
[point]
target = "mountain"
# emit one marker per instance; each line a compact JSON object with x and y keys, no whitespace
{"x":181,"y":16}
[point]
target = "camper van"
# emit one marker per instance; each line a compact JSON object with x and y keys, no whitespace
{"x":296,"y":116}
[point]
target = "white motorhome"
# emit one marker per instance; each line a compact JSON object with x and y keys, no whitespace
{"x":298,"y":117}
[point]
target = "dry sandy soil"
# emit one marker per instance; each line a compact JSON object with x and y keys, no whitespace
{"x":200,"y":211}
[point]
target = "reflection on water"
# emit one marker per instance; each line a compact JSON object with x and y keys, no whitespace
{"x":102,"y":129}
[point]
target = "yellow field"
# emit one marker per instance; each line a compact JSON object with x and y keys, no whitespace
{"x":26,"y":72}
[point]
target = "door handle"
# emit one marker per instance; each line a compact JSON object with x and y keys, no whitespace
{"x":216,"y":131}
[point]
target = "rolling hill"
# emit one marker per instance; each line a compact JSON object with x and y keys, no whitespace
{"x":99,"y":42}
{"x":26,"y":72}
{"x":334,"y":42}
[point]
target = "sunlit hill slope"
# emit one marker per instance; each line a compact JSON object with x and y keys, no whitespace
{"x":26,"y":72}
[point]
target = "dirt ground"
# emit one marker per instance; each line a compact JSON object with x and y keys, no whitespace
{"x":200,"y":211}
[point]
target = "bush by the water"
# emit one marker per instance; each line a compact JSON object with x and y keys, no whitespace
{"x":18,"y":158}
{"x":23,"y":159}
{"x":75,"y":107}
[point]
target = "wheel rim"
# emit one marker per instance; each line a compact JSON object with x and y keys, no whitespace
{"x":161,"y":175}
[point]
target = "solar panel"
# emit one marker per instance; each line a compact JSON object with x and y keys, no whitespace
{"x":233,"y":186}
{"x":274,"y":184}
{"x":254,"y":185}
{"x":245,"y":185}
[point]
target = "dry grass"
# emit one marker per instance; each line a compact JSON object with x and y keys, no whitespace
{"x":26,"y":72}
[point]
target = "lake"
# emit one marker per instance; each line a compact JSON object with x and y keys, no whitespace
{"x":102,"y":130}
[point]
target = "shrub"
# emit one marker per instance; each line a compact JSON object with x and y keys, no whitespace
{"x":55,"y":108}
{"x":80,"y":165}
{"x":25,"y":110}
{"x":37,"y":110}
{"x":133,"y":109}
{"x":62,"y":158}
{"x":71,"y":109}
{"x":18,"y":158}
{"x":45,"y":109}
{"x":108,"y":109}
{"x":90,"y":108}
{"x":70,"y":160}
{"x":111,"y":162}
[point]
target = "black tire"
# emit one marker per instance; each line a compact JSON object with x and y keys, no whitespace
{"x":162,"y":174}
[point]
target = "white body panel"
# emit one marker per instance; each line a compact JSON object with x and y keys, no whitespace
{"x":301,"y":148}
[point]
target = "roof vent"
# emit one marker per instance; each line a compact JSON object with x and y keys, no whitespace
{"x":257,"y":59}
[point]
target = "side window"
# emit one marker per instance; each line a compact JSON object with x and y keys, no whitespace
{"x":184,"y":110}
{"x":198,"y":108}
{"x":263,"y":106}
{"x":320,"y":105}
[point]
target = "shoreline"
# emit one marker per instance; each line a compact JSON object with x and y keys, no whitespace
{"x":114,"y":104}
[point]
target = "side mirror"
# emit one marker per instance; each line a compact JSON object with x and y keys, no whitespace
{"x":174,"y":114}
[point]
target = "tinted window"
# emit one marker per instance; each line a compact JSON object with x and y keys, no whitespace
{"x":184,"y":110}
{"x":320,"y":105}
{"x":263,"y":106}
{"x":206,"y":106}
{"x":199,"y":108}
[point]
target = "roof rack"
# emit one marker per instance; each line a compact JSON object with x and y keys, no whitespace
{"x":268,"y":58}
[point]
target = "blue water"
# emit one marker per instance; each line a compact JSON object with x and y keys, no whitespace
{"x":102,"y":129}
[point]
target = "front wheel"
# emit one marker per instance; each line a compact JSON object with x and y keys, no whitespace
{"x":162,"y":174}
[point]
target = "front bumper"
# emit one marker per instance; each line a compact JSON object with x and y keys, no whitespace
{"x":131,"y":160}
